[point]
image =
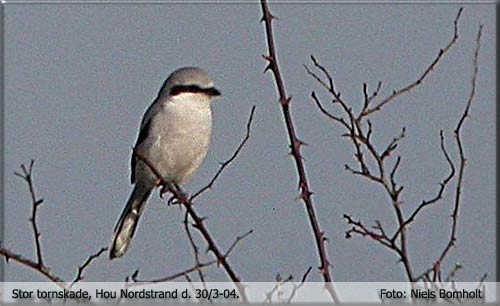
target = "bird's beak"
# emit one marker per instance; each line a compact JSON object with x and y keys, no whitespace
{"x":213,"y":92}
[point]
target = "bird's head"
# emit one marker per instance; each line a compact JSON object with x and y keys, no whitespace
{"x":189,"y":81}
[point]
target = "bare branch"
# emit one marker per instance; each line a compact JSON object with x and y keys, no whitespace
{"x":441,"y":190}
{"x":238,"y":239}
{"x":364,"y":148}
{"x":362,"y":144}
{"x":9,"y":255}
{"x":463,"y":160}
{"x":453,"y":272}
{"x":39,"y":265}
{"x":394,"y":185}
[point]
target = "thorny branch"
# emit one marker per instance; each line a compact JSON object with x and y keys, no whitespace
{"x":360,"y":133}
{"x":187,"y":202}
{"x":295,"y":145}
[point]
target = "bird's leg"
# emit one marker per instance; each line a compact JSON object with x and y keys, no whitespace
{"x":174,"y":200}
{"x":163,"y":190}
{"x":166,"y":187}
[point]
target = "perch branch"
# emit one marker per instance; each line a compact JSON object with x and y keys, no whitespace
{"x":187,"y":202}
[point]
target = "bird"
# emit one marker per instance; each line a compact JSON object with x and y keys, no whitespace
{"x":174,"y":138}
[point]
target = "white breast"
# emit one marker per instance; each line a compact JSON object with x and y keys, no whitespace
{"x":179,"y":137}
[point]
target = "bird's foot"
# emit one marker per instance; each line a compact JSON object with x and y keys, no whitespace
{"x":163,"y":190}
{"x":173,"y":201}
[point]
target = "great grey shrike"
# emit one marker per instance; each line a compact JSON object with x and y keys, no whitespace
{"x":174,"y":137}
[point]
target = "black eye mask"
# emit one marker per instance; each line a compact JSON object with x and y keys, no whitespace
{"x":178,"y":89}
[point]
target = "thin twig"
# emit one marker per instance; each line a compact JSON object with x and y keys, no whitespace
{"x":463,"y":160}
{"x":297,"y":287}
{"x":453,"y":272}
{"x":238,"y":239}
{"x":79,"y":273}
{"x":27,"y":176}
{"x":279,"y":283}
{"x":194,"y":247}
{"x":427,"y":71}
{"x":328,"y":114}
{"x":361,"y":229}
{"x":231,"y":159}
{"x":184,"y":273}
{"x":197,"y":267}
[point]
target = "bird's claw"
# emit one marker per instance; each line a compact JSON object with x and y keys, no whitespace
{"x":173,"y":201}
{"x":163,"y":190}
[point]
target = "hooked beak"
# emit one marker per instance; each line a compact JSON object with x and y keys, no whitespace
{"x":213,"y":92}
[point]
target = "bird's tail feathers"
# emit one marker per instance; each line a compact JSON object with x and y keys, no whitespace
{"x":125,"y":228}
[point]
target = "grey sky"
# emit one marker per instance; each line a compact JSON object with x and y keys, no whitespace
{"x":78,"y":78}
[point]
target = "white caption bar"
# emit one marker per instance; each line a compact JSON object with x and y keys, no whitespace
{"x":222,"y":292}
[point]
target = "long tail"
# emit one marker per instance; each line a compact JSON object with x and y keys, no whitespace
{"x":125,"y":228}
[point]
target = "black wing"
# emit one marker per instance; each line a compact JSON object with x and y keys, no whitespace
{"x":142,"y":135}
